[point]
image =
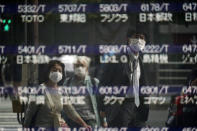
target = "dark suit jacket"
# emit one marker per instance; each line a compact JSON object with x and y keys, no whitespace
{"x":115,"y":75}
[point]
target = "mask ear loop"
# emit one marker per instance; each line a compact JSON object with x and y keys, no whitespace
{"x":142,"y":43}
{"x":61,"y":76}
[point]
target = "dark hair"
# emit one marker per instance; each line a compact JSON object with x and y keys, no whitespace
{"x":51,"y":64}
{"x":192,"y":76}
{"x":138,"y":33}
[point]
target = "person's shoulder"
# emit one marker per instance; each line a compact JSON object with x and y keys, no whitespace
{"x":42,"y":85}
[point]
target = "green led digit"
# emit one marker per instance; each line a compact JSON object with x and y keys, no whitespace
{"x":6,"y":24}
{"x":6,"y":27}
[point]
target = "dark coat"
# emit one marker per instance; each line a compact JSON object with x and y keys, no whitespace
{"x":115,"y":75}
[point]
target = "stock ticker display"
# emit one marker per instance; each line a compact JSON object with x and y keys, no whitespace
{"x":34,"y":32}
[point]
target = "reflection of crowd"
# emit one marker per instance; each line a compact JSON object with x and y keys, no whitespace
{"x":49,"y":114}
{"x":93,"y":112}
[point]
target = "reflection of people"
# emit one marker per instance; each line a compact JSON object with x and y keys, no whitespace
{"x":132,"y":112}
{"x":48,"y":114}
{"x":11,"y":78}
{"x":183,"y":109}
{"x":89,"y":109}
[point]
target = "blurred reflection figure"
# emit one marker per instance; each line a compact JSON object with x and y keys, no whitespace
{"x":48,"y":113}
{"x":183,"y":109}
{"x":192,"y":78}
{"x":88,"y":110}
{"x":11,"y":78}
{"x":132,"y":112}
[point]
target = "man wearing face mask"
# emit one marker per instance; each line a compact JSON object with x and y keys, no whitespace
{"x":89,"y":110}
{"x":132,"y":112}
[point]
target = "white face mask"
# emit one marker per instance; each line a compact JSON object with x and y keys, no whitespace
{"x":55,"y":76}
{"x":137,"y":44}
{"x":80,"y":71}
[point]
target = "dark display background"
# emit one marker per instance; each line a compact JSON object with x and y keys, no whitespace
{"x":53,"y":33}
